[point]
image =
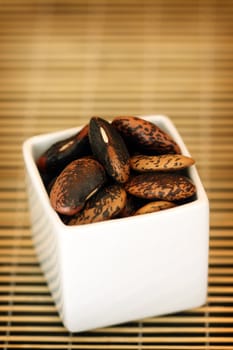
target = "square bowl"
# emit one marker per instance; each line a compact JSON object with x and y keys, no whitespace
{"x":120,"y":270}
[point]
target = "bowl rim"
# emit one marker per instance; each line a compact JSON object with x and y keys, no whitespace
{"x":30,"y":144}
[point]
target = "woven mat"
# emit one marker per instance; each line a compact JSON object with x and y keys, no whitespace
{"x":62,"y":62}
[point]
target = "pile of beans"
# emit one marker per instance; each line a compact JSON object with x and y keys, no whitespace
{"x":110,"y":170}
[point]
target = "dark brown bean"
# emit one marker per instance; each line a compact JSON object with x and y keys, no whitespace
{"x":109,"y":148}
{"x":164,"y":186}
{"x":63,"y":152}
{"x":145,"y":136}
{"x":104,"y":205}
{"x":76,"y":183}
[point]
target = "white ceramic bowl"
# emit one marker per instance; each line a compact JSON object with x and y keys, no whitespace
{"x":120,"y":270}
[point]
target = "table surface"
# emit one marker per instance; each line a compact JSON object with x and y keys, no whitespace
{"x":62,"y":62}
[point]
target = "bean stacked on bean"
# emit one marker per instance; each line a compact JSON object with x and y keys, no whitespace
{"x":107,"y":170}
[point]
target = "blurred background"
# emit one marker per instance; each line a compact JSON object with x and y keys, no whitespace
{"x":62,"y":62}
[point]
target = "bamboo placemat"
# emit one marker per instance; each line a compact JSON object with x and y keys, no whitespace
{"x":62,"y":62}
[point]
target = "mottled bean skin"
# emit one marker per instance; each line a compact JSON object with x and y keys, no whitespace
{"x":107,"y":203}
{"x":146,"y":136}
{"x":164,"y":186}
{"x":154,"y":206}
{"x":76,"y":183}
{"x":165,"y":162}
